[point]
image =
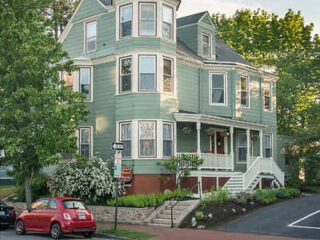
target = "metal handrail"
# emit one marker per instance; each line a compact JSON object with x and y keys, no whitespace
{"x":172,"y":206}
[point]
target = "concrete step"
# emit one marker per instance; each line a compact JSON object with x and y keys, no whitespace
{"x":175,"y":212}
{"x":167,"y":216}
{"x":159,"y":225}
{"x":161,"y":221}
{"x":178,"y":208}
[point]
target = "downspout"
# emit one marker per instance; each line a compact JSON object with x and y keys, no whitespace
{"x":199,"y":90}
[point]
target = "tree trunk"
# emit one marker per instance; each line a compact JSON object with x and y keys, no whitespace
{"x":28,"y":181}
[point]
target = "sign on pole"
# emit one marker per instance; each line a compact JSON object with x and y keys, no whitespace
{"x":117,"y":164}
{"x":117,"y":146}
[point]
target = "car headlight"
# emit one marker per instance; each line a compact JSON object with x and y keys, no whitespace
{"x":66,"y":216}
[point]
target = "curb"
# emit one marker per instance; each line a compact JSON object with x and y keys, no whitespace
{"x":108,"y":236}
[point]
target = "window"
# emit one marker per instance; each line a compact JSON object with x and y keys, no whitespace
{"x":85,"y":82}
{"x":206,"y":45}
{"x":126,"y":138}
{"x":40,"y":204}
{"x":85,"y":140}
{"x":74,"y":204}
{"x":147,"y":25}
{"x":167,"y":139}
{"x":268,"y":145}
{"x":147,"y":139}
{"x":147,"y":73}
{"x":69,"y":79}
{"x":126,"y":21}
{"x":244,"y":82}
{"x":267,"y":96}
{"x":218,"y":88}
{"x":167,"y":22}
{"x":125,"y":74}
{"x":167,"y":75}
{"x":52,"y":204}
{"x":242,"y":147}
{"x":91,"y":36}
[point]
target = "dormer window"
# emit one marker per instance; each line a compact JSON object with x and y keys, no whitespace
{"x":167,"y":22}
{"x":147,"y":19}
{"x":206,"y":45}
{"x":91,"y":37}
{"x":126,"y":21}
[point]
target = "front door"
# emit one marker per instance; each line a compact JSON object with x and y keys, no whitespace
{"x":217,"y":143}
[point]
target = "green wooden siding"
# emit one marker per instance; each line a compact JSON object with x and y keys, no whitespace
{"x":187,"y":35}
{"x":87,"y":9}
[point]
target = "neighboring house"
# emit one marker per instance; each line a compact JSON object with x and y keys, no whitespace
{"x":165,"y":86}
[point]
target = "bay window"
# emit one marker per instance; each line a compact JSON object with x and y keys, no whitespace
{"x":167,"y":139}
{"x":206,"y":45}
{"x":147,"y":139}
{"x":242,"y":147}
{"x":267,"y":96}
{"x":85,"y":82}
{"x":126,"y":21}
{"x":244,"y":82}
{"x":167,"y":22}
{"x":126,"y":138}
{"x":268,"y":145}
{"x":168,"y":75}
{"x":69,"y":79}
{"x":85,"y":142}
{"x":125,"y":74}
{"x":147,"y":19}
{"x":91,"y":37}
{"x":218,"y":89}
{"x":147,"y":73}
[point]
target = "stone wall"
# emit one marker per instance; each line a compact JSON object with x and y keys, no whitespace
{"x":106,"y":214}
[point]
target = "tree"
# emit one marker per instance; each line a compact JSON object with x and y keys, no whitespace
{"x":38,"y":114}
{"x":181,"y":165}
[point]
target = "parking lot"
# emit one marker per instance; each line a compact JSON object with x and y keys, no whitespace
{"x":296,"y":218}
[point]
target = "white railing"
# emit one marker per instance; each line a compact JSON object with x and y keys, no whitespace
{"x":252,"y":159}
{"x":262,"y":165}
{"x":214,"y":161}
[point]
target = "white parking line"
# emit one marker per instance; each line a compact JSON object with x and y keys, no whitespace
{"x":293,"y":225}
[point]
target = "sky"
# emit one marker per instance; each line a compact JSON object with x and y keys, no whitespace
{"x":310,"y":9}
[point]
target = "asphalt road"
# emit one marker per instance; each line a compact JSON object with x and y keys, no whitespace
{"x":10,"y":234}
{"x":296,"y":218}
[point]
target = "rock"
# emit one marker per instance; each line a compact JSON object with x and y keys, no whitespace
{"x":225,"y":210}
{"x":201,"y":227}
{"x":193,"y":222}
{"x":252,"y":203}
{"x":210,"y":215}
{"x":233,"y":210}
{"x":244,"y":210}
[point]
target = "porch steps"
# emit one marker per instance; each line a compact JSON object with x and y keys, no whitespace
{"x":235,"y":184}
{"x":162,"y":215}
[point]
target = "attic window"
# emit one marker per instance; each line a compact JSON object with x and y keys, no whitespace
{"x":91,"y":36}
{"x":206,"y":45}
{"x":106,"y":3}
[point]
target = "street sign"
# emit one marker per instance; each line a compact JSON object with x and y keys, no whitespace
{"x":117,"y":164}
{"x":126,"y":173}
{"x":117,"y":146}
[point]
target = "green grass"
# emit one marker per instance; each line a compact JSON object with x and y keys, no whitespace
{"x":128,"y":234}
{"x":315,"y":188}
{"x":7,"y":190}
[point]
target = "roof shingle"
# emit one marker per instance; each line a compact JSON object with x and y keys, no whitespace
{"x":194,"y":18}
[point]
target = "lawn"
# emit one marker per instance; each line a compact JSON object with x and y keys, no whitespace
{"x":128,"y":234}
{"x":7,"y":190}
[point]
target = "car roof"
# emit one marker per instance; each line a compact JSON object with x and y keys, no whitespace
{"x":62,"y":198}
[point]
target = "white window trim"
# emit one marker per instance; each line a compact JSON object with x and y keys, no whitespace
{"x":119,"y":76}
{"x":173,"y":39}
{"x":155,"y":74}
{"x":155,"y":139}
{"x":90,"y":140}
{"x":119,"y":137}
{"x":155,"y":16}
{"x":91,"y":82}
{"x":119,"y":22}
{"x":271,"y":144}
{"x":85,"y":47}
{"x":225,"y":89}
{"x":264,"y":101}
{"x":210,"y":44}
{"x":249,"y":91}
{"x":237,"y":149}
{"x":173,"y":138}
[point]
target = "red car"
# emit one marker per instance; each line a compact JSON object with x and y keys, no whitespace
{"x":57,"y":216}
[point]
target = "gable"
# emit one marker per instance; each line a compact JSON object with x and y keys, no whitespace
{"x":206,"y":19}
{"x":88,"y":8}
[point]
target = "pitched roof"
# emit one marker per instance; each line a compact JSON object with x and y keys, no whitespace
{"x":106,"y":3}
{"x":186,"y":51}
{"x":225,"y":53}
{"x":194,"y":18}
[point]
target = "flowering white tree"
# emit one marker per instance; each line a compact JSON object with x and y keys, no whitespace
{"x":91,"y":181}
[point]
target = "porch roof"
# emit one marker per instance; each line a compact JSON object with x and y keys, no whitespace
{"x":215,"y":120}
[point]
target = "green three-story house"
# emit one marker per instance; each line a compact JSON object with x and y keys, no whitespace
{"x":165,"y":86}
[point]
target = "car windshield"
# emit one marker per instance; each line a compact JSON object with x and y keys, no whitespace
{"x":2,"y":203}
{"x":74,"y":204}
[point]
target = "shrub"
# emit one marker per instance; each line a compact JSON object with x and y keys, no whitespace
{"x":216,"y":197}
{"x":199,"y":216}
{"x":38,"y":186}
{"x":150,"y":200}
{"x":287,"y":192}
{"x":244,"y":198}
{"x":295,"y":182}
{"x":266,"y":196}
{"x":91,"y":181}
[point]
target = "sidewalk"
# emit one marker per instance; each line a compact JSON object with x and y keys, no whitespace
{"x":162,"y":233}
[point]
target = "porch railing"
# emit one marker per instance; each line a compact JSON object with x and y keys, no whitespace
{"x":214,"y":161}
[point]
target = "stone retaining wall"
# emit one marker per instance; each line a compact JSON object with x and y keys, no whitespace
{"x":106,"y":214}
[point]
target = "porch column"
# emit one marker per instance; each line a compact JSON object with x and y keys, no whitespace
{"x":248,"y":148}
{"x":261,"y":142}
{"x":198,"y":138}
{"x":231,"y":148}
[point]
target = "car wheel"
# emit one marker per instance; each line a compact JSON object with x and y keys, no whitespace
{"x":88,"y":234}
{"x":56,"y":232}
{"x":20,"y":230}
